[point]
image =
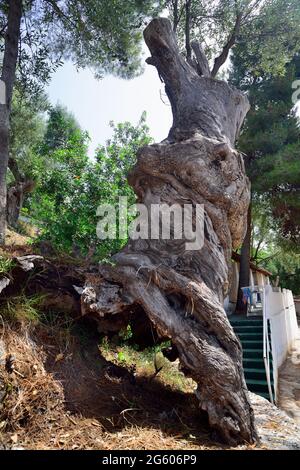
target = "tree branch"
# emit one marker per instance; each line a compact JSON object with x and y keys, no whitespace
{"x":261,"y":260}
{"x":14,"y":168}
{"x":202,"y":62}
{"x":251,"y":10}
{"x":255,"y":257}
{"x":59,"y":12}
{"x":219,"y":61}
{"x":175,"y":15}
{"x":188,"y":30}
{"x":2,"y":31}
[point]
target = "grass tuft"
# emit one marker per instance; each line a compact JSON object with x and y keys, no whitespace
{"x":6,"y":265}
{"x":22,"y":309}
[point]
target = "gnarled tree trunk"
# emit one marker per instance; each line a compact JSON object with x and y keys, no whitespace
{"x":182,"y":291}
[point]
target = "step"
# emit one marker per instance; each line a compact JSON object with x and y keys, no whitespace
{"x":257,"y":374}
{"x":254,"y":363}
{"x":247,"y":323}
{"x":247,"y":329}
{"x":251,"y":344}
{"x":255,"y":385}
{"x":250,"y":335}
{"x":253,"y":353}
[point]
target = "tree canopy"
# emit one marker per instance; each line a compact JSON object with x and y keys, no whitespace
{"x":259,"y":29}
{"x":271,"y":144}
{"x":89,"y":33}
{"x":271,"y":140}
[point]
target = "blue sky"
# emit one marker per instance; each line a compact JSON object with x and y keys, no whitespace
{"x":95,"y":103}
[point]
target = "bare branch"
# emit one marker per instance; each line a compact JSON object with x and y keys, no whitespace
{"x":251,"y":9}
{"x":2,"y":30}
{"x":202,"y":62}
{"x":188,"y":30}
{"x":255,"y":257}
{"x":60,"y":12}
{"x":14,"y":168}
{"x":221,"y":59}
{"x":262,"y":260}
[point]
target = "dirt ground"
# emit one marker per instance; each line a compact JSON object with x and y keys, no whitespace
{"x":76,"y":399}
{"x":62,"y":387}
{"x":289,"y":383}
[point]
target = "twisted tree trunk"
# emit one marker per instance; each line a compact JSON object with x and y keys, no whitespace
{"x":182,"y":291}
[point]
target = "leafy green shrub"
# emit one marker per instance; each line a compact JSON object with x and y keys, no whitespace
{"x":72,"y":187}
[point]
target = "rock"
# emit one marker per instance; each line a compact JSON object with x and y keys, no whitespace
{"x":2,"y":353}
{"x":276,"y":430}
{"x":4,"y":282}
{"x":2,"y":365}
{"x":27,"y":263}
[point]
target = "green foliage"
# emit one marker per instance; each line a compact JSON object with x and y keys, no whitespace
{"x":27,"y":133}
{"x":147,"y":362}
{"x":104,"y":35}
{"x":61,"y":128}
{"x":267,"y":29}
{"x":271,"y":140}
{"x":271,"y":143}
{"x":6,"y":265}
{"x":286,"y":266}
{"x":72,"y":187}
{"x":270,"y":41}
{"x":22,"y":309}
{"x":126,"y":333}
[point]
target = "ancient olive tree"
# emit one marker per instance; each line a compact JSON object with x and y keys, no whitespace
{"x":182,"y":291}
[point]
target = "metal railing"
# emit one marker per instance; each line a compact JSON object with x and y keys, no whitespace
{"x":267,"y":349}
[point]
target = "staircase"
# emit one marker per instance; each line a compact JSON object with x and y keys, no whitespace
{"x":250,"y":332}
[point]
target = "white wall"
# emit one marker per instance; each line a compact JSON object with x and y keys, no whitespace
{"x":280,"y":311}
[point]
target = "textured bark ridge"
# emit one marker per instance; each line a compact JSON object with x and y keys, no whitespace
{"x":181,"y":291}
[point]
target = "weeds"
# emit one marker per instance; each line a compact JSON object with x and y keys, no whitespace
{"x":60,"y":326}
{"x":147,"y":362}
{"x":22,"y":309}
{"x":6,"y":265}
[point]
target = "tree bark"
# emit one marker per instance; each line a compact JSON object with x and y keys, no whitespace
{"x":182,"y":291}
{"x":16,"y":193}
{"x":188,"y":30}
{"x":15,"y":200}
{"x":244,"y":277}
{"x":8,"y":78}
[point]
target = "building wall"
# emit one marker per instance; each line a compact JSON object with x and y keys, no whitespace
{"x":256,"y":279}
